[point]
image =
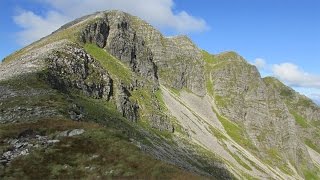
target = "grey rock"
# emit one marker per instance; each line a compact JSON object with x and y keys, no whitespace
{"x":114,"y":33}
{"x":125,"y":106}
{"x":239,"y":93}
{"x":73,"y":68}
{"x":26,"y":142}
{"x":242,"y":96}
{"x":76,"y":113}
{"x":96,"y":33}
{"x":24,"y":152}
{"x":179,"y":61}
{"x":76,"y":132}
{"x":161,"y":123}
{"x":63,"y":134}
{"x":70,"y":133}
{"x":53,"y":141}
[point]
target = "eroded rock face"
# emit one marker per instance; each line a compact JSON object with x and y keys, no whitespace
{"x":243,"y":97}
{"x":114,"y":33}
{"x":161,"y":123}
{"x":181,"y":65}
{"x":303,"y":109}
{"x":96,"y":33}
{"x":125,"y":106}
{"x":74,"y":68}
{"x":179,"y":61}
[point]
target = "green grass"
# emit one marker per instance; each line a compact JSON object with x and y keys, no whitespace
{"x":274,"y":154}
{"x":159,"y":97}
{"x":144,"y":98}
{"x":208,"y":58}
{"x":221,"y":101}
{"x":209,"y":86}
{"x":311,"y":175}
{"x":253,"y":164}
{"x":218,"y":134}
{"x":210,"y":61}
{"x":284,"y":91}
{"x":114,"y":66}
{"x":305,"y":102}
{"x":175,"y":91}
{"x":285,"y":168}
{"x":275,"y":159}
{"x":309,"y":143}
{"x":236,"y":132}
{"x":33,"y":91}
{"x":98,"y":153}
{"x":98,"y":110}
{"x":226,"y":56}
{"x":301,"y":121}
{"x":240,"y":161}
{"x":27,"y":82}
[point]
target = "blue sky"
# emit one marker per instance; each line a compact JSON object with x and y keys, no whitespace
{"x":282,"y":37}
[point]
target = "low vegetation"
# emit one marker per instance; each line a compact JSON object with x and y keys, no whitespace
{"x":208,"y":58}
{"x":110,"y":63}
{"x":313,"y":146}
{"x":98,"y":153}
{"x":236,"y":132}
{"x":301,"y":121}
{"x":311,"y":174}
{"x":240,"y":161}
{"x":219,"y":135}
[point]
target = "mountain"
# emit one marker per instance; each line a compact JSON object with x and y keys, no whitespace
{"x":108,"y":95}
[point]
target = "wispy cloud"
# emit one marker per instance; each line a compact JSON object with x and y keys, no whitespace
{"x":35,"y":27}
{"x":295,"y":76}
{"x":160,"y":13}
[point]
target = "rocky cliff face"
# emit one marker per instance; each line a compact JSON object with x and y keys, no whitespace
{"x":73,"y":68}
{"x":209,"y":114}
{"x":242,"y":96}
{"x":179,"y":61}
{"x":304,"y":112}
{"x":114,"y":33}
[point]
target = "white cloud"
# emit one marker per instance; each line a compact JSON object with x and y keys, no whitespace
{"x":35,"y":27}
{"x":294,"y":76}
{"x":159,"y":13}
{"x":260,"y":63}
{"x":315,"y":97}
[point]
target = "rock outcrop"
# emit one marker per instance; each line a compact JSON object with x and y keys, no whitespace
{"x":30,"y":140}
{"x":115,"y":34}
{"x":242,"y":96}
{"x":195,"y":110}
{"x":125,"y":106}
{"x":74,"y":68}
{"x":179,"y":61}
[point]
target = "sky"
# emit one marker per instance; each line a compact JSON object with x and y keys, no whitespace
{"x":280,"y":37}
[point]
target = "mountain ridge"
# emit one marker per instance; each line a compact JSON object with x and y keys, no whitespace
{"x":209,"y":114}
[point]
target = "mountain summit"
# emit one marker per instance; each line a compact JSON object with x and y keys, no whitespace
{"x":108,"y":95}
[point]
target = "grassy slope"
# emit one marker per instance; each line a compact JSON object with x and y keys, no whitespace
{"x":110,"y":63}
{"x":119,"y":157}
{"x":73,"y":157}
{"x":52,"y":163}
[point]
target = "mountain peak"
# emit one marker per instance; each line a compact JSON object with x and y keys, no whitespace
{"x":130,"y":90}
{"x":230,"y":56}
